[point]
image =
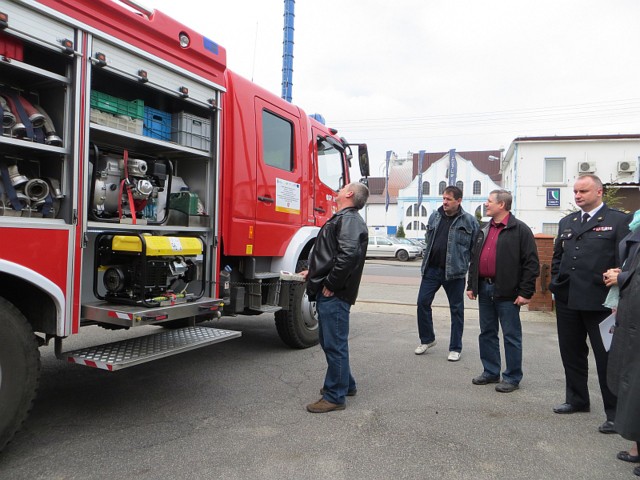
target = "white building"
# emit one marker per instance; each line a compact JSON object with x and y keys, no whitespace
{"x":475,"y":173}
{"x":540,"y":173}
{"x":379,"y":218}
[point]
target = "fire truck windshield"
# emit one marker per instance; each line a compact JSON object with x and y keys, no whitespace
{"x":330,"y":165}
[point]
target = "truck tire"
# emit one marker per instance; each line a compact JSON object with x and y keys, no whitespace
{"x":19,"y":370}
{"x":298,"y":325}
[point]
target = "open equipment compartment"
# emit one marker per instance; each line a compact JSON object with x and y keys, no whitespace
{"x":36,"y":98}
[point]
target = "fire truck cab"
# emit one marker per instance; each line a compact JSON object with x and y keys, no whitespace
{"x":142,"y":183}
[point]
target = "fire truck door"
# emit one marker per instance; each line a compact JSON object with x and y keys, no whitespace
{"x":280,"y":188}
{"x":329,"y":177}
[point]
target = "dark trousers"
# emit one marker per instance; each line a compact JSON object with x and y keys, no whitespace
{"x":432,"y":280}
{"x":333,"y":329}
{"x":573,"y":328}
{"x":493,"y":315}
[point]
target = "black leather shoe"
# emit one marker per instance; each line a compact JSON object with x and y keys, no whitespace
{"x":484,"y":380}
{"x":568,"y":408}
{"x":625,"y":456}
{"x":607,"y":427}
{"x":506,"y":387}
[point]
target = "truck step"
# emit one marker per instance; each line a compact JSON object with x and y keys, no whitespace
{"x":134,"y":351}
{"x":267,"y":309}
{"x":137,"y":315}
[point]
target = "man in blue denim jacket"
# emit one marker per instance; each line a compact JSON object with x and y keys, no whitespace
{"x":450,"y":236}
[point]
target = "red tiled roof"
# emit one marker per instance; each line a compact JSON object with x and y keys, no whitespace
{"x":480,"y":159}
{"x":376,"y":185}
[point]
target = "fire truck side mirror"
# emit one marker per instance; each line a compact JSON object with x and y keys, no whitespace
{"x":363,"y":159}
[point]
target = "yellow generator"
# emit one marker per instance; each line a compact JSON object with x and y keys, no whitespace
{"x":148,"y":270}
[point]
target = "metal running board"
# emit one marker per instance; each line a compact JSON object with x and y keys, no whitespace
{"x":138,"y":315}
{"x":267,"y":309}
{"x":134,"y":351}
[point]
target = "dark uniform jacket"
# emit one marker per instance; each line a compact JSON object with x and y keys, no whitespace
{"x":582,"y":253}
{"x":517,"y":265}
{"x":623,"y":369}
{"x":338,"y":256}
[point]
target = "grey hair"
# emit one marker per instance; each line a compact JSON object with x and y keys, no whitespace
{"x":360,"y":194}
{"x":503,"y":196}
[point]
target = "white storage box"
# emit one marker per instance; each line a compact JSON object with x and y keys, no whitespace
{"x":120,"y":122}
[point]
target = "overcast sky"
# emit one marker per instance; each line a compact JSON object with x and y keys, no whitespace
{"x":407,"y":75}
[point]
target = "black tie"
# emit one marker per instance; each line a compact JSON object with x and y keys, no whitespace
{"x":585,"y":218}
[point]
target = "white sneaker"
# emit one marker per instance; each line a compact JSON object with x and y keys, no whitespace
{"x":454,"y":356}
{"x":420,"y":349}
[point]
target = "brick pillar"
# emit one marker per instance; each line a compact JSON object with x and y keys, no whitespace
{"x":542,"y":300}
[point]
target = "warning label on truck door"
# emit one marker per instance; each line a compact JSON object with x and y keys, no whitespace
{"x":287,"y":197}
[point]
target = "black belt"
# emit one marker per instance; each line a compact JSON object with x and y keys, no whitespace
{"x":489,"y":280}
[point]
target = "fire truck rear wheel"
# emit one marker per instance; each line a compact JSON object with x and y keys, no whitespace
{"x":19,"y":370}
{"x":298,"y":326}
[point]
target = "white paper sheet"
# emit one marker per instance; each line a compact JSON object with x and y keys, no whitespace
{"x":606,"y":330}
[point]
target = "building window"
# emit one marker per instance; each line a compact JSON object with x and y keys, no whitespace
{"x":441,"y":187}
{"x":416,"y":225}
{"x":477,"y":187}
{"x":550,"y":229}
{"x":426,"y":188}
{"x":554,"y":170}
{"x":460,"y":185}
{"x":414,"y":211}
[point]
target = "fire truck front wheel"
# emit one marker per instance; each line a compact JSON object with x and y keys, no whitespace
{"x":19,"y":370}
{"x":298,"y":325}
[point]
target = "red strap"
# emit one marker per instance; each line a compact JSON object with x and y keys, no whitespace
{"x":123,"y":184}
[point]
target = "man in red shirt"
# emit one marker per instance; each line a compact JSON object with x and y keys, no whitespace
{"x":502,"y":274}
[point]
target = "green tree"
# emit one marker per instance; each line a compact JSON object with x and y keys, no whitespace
{"x":400,"y":232}
{"x":611,"y":198}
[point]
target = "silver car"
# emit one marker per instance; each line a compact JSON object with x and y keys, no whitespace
{"x":413,"y":241}
{"x":391,"y":247}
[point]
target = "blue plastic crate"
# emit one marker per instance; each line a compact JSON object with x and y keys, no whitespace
{"x":157,"y":124}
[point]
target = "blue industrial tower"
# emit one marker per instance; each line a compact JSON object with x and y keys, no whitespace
{"x":287,"y":47}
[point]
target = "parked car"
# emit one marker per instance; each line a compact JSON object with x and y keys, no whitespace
{"x":418,"y":243}
{"x":392,"y":247}
{"x":410,"y":241}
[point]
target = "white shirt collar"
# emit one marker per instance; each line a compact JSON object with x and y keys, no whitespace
{"x":593,"y":212}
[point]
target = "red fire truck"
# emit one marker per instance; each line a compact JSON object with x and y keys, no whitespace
{"x":142,"y":183}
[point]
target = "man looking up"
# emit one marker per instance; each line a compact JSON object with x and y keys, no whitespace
{"x":450,"y":235}
{"x":335,"y":271}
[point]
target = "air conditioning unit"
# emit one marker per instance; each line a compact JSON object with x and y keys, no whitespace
{"x":626,"y":166}
{"x":586,"y":167}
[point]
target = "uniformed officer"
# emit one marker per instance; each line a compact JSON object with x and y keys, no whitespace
{"x":586,"y":247}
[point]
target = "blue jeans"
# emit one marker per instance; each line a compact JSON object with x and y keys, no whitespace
{"x":333,"y":328}
{"x":432,"y":280}
{"x":495,"y":313}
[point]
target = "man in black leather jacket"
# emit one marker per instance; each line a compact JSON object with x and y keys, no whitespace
{"x":335,"y":270}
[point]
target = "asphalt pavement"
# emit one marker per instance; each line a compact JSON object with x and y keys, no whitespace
{"x":236,"y":410}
